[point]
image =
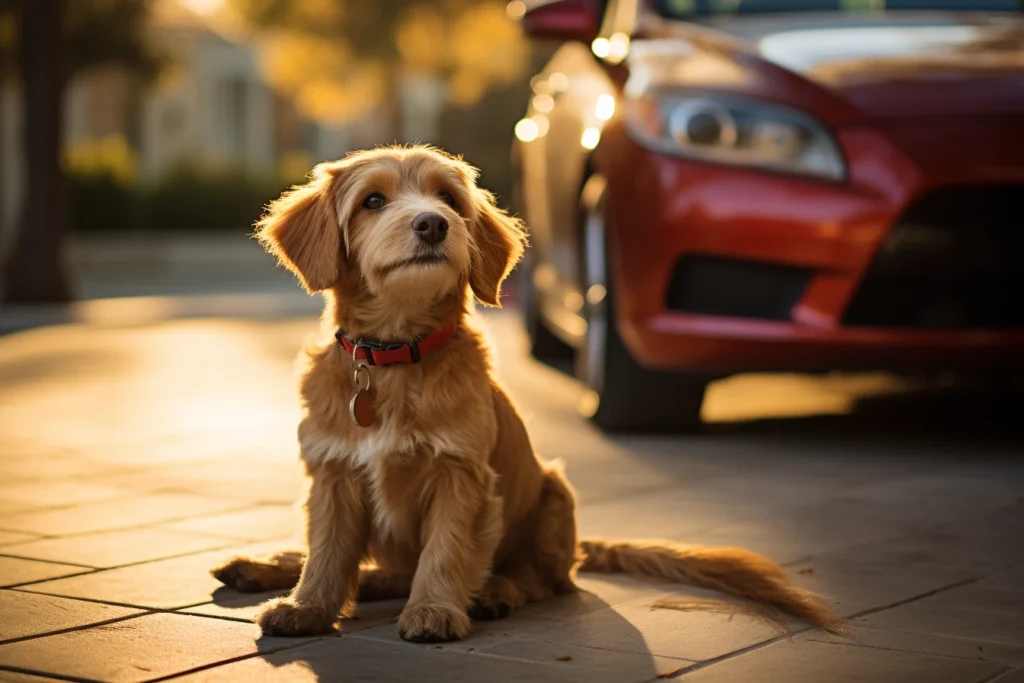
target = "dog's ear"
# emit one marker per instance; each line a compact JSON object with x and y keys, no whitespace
{"x":498,"y":241}
{"x":301,"y":229}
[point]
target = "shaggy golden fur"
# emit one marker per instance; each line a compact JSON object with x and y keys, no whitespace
{"x":442,"y":500}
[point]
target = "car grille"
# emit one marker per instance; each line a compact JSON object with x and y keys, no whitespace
{"x":955,"y":260}
{"x":711,"y":285}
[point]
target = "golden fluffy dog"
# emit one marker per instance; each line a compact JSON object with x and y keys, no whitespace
{"x":440,"y":498}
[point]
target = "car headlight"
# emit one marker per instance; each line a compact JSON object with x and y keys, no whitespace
{"x":734,"y":130}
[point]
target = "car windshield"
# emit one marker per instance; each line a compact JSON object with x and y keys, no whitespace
{"x":684,"y":9}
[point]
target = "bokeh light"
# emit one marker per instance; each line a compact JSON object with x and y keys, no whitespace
{"x":590,"y":138}
{"x":527,"y":130}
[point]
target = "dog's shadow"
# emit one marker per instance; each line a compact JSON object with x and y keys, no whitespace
{"x":586,"y":636}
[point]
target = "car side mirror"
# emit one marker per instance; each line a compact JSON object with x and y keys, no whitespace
{"x":567,"y":20}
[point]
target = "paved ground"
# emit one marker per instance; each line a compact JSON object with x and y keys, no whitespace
{"x":137,"y":451}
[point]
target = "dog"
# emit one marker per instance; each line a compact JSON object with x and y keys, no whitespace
{"x":423,"y":481}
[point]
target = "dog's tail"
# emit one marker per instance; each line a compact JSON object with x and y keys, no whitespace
{"x":735,"y":571}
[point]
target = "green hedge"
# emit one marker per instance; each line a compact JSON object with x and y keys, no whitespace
{"x":187,"y":199}
{"x":102,"y":202}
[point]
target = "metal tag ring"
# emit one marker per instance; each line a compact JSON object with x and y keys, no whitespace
{"x":361,"y":367}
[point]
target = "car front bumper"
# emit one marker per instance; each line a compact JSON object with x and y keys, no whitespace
{"x":726,"y":269}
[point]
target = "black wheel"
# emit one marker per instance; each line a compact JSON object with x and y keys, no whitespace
{"x":623,"y":395}
{"x":544,"y":344}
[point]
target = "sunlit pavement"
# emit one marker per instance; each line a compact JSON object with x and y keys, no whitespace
{"x":139,"y":447}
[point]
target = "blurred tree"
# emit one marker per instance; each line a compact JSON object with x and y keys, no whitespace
{"x":54,"y":40}
{"x":341,"y":59}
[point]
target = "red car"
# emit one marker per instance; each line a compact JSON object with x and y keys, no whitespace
{"x":721,"y":186}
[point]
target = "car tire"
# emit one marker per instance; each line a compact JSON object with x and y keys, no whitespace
{"x":621,"y":394}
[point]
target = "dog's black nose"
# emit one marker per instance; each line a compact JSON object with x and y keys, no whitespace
{"x":432,"y":228}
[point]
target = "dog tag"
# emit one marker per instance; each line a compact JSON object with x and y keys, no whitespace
{"x":363,"y":406}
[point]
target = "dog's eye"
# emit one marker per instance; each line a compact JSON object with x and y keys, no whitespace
{"x":375,"y":202}
{"x":448,"y":199}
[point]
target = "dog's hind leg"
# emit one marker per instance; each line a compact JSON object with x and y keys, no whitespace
{"x":508,"y":589}
{"x":544,"y":565}
{"x":255,"y":576}
{"x":555,"y":548}
{"x":380,"y":584}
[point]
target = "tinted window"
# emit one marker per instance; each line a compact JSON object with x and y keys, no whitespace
{"x":681,"y":9}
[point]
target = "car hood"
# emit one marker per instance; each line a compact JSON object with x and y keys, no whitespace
{"x":899,"y":65}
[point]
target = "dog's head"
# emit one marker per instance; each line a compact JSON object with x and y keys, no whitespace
{"x":406,"y":222}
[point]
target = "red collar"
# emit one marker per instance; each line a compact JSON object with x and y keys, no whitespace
{"x":376,"y":352}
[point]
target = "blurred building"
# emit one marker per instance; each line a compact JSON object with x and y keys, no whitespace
{"x":210,"y":106}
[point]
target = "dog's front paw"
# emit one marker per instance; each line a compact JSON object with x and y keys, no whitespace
{"x":285,"y":617}
{"x":433,"y":623}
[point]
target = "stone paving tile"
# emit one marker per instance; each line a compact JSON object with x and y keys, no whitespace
{"x":598,"y":470}
{"x":852,"y":586}
{"x":612,"y":665}
{"x":969,"y":612}
{"x":60,"y":493}
{"x":15,"y":677}
{"x":597,"y":594}
{"x":330,"y":659}
{"x":11,"y":537}
{"x":116,"y":548}
{"x":608,"y":590}
{"x":275,"y":482}
{"x":804,"y":661}
{"x":112,"y":515}
{"x":164,"y":584}
{"x":233,"y":606}
{"x":643,"y":516}
{"x":484,"y":633}
{"x":28,"y":614}
{"x":937,"y":549}
{"x":14,"y":571}
{"x":1011,"y":579}
{"x":637,"y":627}
{"x":35,"y":468}
{"x":8,"y":508}
{"x":982,"y":597}
{"x":190,"y":450}
{"x":244,"y":608}
{"x":944,"y":646}
{"x":948,"y":493}
{"x":139,"y":649}
{"x":258,"y":524}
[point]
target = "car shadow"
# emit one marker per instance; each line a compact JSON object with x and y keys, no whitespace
{"x":943,"y":413}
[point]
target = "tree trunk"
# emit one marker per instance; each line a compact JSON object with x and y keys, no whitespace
{"x":36,"y":271}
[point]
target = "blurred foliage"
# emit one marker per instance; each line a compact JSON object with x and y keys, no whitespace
{"x":109,"y":31}
{"x":110,"y":156}
{"x":341,"y":59}
{"x":102,"y":202}
{"x":198,"y":198}
{"x":102,"y":188}
{"x":95,"y":32}
{"x":295,"y":164}
{"x":106,"y":195}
